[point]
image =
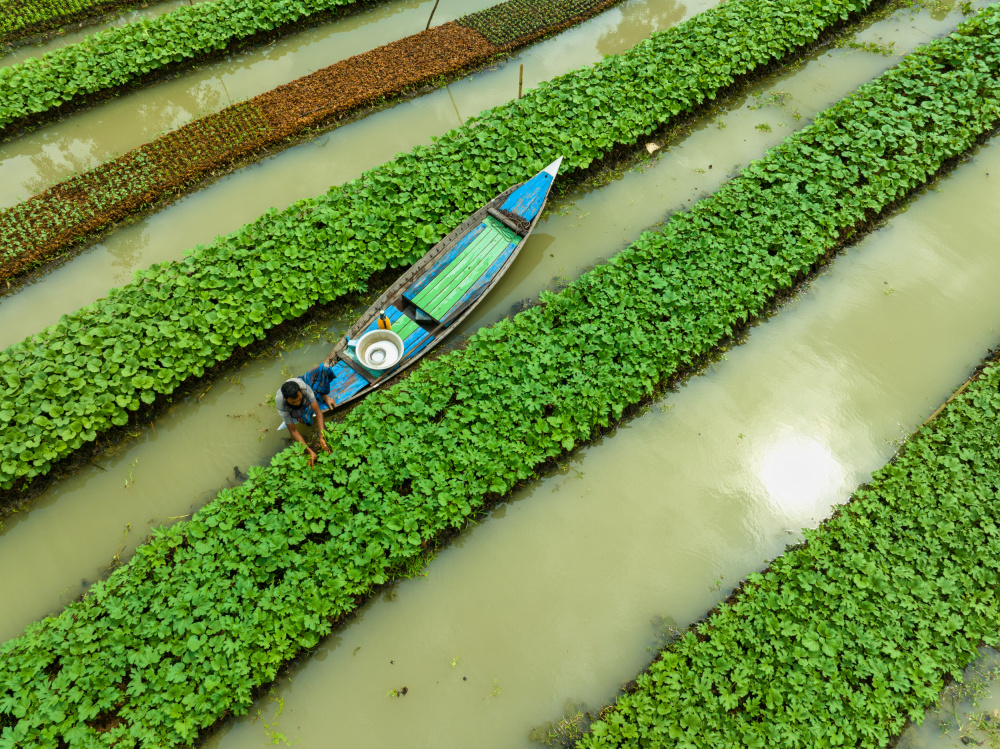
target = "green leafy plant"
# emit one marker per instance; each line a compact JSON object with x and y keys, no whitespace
{"x":864,"y":621}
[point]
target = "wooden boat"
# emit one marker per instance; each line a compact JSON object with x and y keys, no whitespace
{"x":437,"y":293}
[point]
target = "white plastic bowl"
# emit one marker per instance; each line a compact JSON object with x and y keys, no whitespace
{"x":379,"y":349}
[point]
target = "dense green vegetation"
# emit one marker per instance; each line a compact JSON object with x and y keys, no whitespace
{"x":118,"y":56}
{"x":22,"y":18}
{"x":841,"y":641}
{"x":86,"y":373}
{"x":211,"y":608}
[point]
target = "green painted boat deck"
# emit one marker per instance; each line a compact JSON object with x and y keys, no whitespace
{"x":451,"y":284}
{"x":403,"y":327}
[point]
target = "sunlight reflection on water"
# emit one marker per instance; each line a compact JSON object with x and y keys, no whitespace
{"x":798,"y":471}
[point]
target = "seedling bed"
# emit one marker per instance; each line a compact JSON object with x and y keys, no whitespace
{"x":74,"y":213}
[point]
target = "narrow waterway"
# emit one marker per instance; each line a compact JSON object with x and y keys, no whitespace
{"x":82,"y":520}
{"x":39,"y":159}
{"x":563,"y":594}
{"x":343,"y":154}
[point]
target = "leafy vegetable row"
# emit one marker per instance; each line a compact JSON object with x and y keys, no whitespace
{"x":211,"y":608}
{"x":118,"y":56}
{"x":86,"y":374}
{"x":25,"y":18}
{"x":85,"y":205}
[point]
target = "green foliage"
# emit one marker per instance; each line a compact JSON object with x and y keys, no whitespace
{"x":862,"y":624}
{"x":118,"y":56}
{"x":25,"y":17}
{"x":510,"y":22}
{"x":177,"y":319}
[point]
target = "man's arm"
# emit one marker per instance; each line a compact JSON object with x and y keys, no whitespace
{"x":319,"y":424}
{"x":293,"y":430}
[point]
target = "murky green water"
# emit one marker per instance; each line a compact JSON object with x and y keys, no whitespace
{"x":561,"y":596}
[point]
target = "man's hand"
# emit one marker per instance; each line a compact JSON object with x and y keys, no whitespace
{"x":322,"y":443}
{"x":293,"y":430}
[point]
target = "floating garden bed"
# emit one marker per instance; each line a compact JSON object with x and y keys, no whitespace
{"x":87,"y":373}
{"x":210,"y":609}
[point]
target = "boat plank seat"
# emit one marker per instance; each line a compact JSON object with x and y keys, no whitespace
{"x":505,"y":220}
{"x":362,"y":371}
{"x":477,"y":289}
{"x":346,"y":383}
{"x":440,"y":294}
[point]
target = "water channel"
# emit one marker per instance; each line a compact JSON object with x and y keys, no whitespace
{"x":140,"y":487}
{"x":312,"y":167}
{"x":560,"y":597}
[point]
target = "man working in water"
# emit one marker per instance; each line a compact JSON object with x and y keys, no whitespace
{"x":297,"y":402}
